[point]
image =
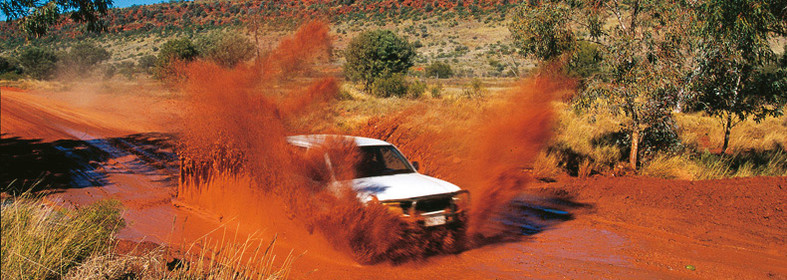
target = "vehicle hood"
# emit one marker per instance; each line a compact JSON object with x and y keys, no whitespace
{"x":401,"y":186}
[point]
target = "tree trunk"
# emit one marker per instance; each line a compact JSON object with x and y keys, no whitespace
{"x":634,"y":148}
{"x":727,"y":128}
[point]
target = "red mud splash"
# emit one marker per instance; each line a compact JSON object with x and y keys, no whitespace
{"x":238,"y":165}
{"x":486,"y":155}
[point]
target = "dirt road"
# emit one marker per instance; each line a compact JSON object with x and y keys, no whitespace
{"x":601,"y":227}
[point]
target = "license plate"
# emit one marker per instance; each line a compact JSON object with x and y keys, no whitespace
{"x":434,"y":220}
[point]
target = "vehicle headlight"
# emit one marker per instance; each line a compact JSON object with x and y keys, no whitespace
{"x":461,"y":199}
{"x":394,"y":207}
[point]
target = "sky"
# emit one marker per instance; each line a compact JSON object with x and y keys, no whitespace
{"x":129,"y":3}
{"x":120,"y":4}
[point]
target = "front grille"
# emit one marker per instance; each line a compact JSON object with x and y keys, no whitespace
{"x":433,"y":204}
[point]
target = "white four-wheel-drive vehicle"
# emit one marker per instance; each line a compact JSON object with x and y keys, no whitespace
{"x":384,"y":175}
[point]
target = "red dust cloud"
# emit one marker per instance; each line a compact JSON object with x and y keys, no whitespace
{"x":486,"y":155}
{"x":238,"y":165}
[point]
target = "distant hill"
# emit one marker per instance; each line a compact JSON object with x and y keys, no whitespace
{"x":472,"y":36}
{"x":167,"y":17}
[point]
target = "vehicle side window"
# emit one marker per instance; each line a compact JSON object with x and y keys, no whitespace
{"x":392,"y":160}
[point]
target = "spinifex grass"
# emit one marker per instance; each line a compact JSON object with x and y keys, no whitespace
{"x":40,"y":241}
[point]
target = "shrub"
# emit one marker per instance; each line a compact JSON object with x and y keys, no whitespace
{"x":9,"y":69}
{"x":437,"y":90}
{"x":393,"y":85}
{"x":174,"y":50}
{"x":225,"y":48}
{"x":37,"y":62}
{"x":110,"y":71}
{"x":417,"y":89}
{"x":84,"y":56}
{"x":126,"y":68}
{"x":377,"y":54}
{"x":439,"y":70}
{"x":147,"y":63}
{"x":585,"y":60}
{"x":474,"y":89}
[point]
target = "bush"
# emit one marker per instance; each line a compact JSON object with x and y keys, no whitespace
{"x":436,"y":90}
{"x":37,"y":62}
{"x":225,"y":48}
{"x":474,"y":89}
{"x":84,"y":56}
{"x":127,"y":69}
{"x":9,"y":69}
{"x":584,"y":61}
{"x":439,"y":70}
{"x":146,"y":64}
{"x":417,"y":89}
{"x":393,"y":85}
{"x":377,"y":54}
{"x":174,"y":50}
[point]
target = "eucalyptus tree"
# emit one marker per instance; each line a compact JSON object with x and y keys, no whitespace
{"x":641,"y":44}
{"x":738,"y":74}
{"x":377,"y":54}
{"x":37,"y":16}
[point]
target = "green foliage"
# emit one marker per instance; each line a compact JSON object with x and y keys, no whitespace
{"x":174,"y":50}
{"x":436,"y":90}
{"x":543,"y":30}
{"x":180,"y":49}
{"x":585,"y":61}
{"x":416,"y":89}
{"x":127,"y":69}
{"x":37,"y":23}
{"x":9,"y":65}
{"x":84,"y":56}
{"x":37,"y":62}
{"x":640,"y":48}
{"x":9,"y":69}
{"x":739,"y":76}
{"x":38,"y":16}
{"x":225,"y":48}
{"x":440,"y":70}
{"x":147,"y":64}
{"x":40,"y":242}
{"x":377,"y":54}
{"x":474,"y":89}
{"x":390,"y":86}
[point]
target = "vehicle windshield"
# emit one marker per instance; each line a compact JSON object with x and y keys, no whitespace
{"x":381,"y":161}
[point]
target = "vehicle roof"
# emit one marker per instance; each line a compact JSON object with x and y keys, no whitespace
{"x":311,"y":140}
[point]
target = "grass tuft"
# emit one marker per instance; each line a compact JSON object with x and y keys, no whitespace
{"x":42,"y":242}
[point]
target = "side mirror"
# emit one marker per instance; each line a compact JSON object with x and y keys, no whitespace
{"x":416,"y":165}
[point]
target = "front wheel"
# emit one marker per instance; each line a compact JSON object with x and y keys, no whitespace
{"x":455,"y":239}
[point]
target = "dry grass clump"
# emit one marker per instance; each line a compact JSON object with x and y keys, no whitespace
{"x":705,"y":133}
{"x":706,"y":165}
{"x":44,"y":242}
{"x":756,"y":149}
{"x":229,"y":259}
{"x":580,"y":143}
{"x":546,"y":166}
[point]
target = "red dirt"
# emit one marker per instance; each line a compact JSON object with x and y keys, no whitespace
{"x":633,"y":227}
{"x":621,"y":228}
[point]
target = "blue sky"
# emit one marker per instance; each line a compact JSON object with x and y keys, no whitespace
{"x":129,"y":3}
{"x":121,"y":4}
